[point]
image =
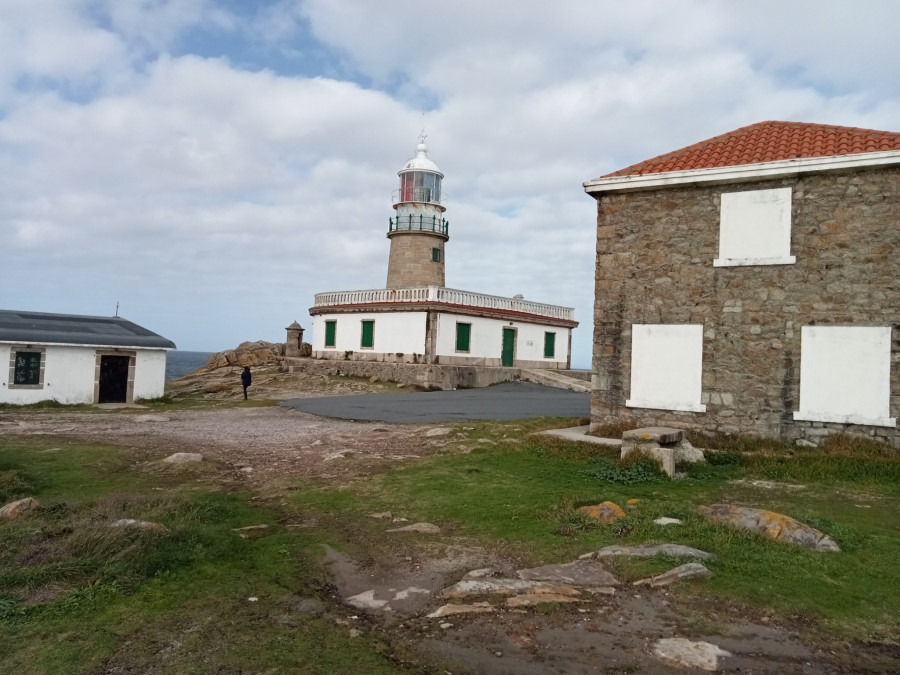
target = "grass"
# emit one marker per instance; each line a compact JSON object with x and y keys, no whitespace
{"x":521,"y":500}
{"x":79,"y":596}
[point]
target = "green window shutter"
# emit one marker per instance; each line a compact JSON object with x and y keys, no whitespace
{"x":463,"y":333}
{"x":368,"y":334}
{"x":28,"y":368}
{"x":435,"y":255}
{"x":330,"y":333}
{"x":549,"y":345}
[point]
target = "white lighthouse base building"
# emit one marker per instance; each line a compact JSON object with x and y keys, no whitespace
{"x":441,"y":326}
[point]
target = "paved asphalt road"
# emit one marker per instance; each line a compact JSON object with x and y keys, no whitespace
{"x":508,"y":401}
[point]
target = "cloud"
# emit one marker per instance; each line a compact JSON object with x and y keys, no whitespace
{"x":212,"y":165}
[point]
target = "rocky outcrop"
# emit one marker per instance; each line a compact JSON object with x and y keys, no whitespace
{"x":248,"y":354}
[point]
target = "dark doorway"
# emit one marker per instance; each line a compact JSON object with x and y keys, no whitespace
{"x":113,"y":379}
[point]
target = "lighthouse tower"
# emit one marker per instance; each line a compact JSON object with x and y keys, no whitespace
{"x":418,"y":232}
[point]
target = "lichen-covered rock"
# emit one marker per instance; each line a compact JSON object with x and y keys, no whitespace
{"x":605,"y":512}
{"x":18,"y":508}
{"x":775,"y":525}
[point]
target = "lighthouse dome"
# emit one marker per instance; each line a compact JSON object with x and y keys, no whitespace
{"x":421,"y":162}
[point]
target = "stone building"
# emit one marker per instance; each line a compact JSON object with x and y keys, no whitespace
{"x":416,"y":319}
{"x":79,"y":359}
{"x":750,"y":284}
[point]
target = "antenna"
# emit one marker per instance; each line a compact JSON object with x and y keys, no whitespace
{"x":117,"y":309}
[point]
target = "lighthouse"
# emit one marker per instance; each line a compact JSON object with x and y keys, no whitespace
{"x":418,"y":231}
{"x":417,"y":321}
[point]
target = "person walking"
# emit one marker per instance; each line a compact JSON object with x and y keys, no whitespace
{"x":246,"y":379}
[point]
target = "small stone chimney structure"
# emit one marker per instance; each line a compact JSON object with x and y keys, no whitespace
{"x":294,"y":342}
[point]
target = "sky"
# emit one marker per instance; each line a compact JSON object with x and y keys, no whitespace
{"x":209,"y":165}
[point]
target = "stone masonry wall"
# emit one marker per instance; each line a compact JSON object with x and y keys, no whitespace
{"x":410,"y":264}
{"x":655,"y":252}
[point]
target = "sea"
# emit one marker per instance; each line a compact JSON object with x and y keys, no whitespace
{"x":179,"y":363}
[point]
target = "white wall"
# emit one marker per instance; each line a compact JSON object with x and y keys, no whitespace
{"x":69,"y":375}
{"x":395,"y":332}
{"x":666,"y":367}
{"x":486,"y":339}
{"x":149,"y":373}
{"x":845,"y":375}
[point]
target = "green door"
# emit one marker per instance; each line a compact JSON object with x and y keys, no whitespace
{"x":509,"y":347}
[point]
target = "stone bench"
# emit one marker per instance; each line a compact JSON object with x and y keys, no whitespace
{"x":659,"y":443}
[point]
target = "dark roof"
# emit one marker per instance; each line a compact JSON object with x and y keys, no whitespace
{"x":767,"y":142}
{"x":40,"y":327}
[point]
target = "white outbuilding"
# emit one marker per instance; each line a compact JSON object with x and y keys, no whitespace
{"x":79,"y":359}
{"x":416,"y":319}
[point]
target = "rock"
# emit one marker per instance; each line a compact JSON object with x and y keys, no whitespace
{"x":482,"y":573}
{"x":471,"y":587}
{"x":606,"y":512}
{"x":680,"y":573}
{"x":449,"y":610}
{"x":667,"y":521}
{"x":366,"y":600}
{"x":424,"y":528}
{"x":20,"y":507}
{"x":249,"y":354}
{"x":774,"y":525}
{"x":583,"y":572}
{"x":632,"y":502}
{"x":382,"y":514}
{"x":139,"y":525}
{"x":183,"y":458}
{"x":649,"y":551}
{"x":688,"y":653}
{"x":531,"y":599}
{"x":438,"y":431}
{"x":151,"y":418}
{"x":804,"y":443}
{"x":685,"y":452}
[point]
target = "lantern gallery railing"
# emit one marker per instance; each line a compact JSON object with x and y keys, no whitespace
{"x":445,"y":295}
{"x":419,"y":223}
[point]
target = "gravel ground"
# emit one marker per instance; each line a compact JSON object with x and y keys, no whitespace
{"x":263,"y":444}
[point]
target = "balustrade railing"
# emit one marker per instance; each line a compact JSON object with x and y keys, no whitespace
{"x":449,"y":296}
{"x":419,"y":223}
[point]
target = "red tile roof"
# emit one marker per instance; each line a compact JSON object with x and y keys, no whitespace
{"x":767,"y":142}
